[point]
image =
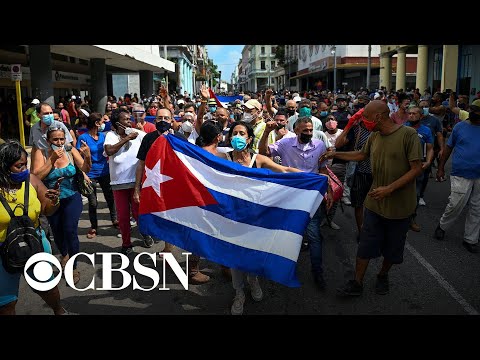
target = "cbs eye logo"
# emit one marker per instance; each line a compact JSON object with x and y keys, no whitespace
{"x":42,"y":270}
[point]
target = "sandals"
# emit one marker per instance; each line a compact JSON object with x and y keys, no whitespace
{"x":91,"y":234}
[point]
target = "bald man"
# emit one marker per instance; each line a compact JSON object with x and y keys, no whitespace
{"x":395,"y":156}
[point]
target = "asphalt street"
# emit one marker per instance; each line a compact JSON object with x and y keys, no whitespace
{"x":436,"y":278}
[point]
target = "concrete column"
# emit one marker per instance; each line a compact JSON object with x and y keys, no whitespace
{"x":401,"y":69}
{"x":41,"y":73}
{"x":385,"y":71}
{"x":146,"y":82}
{"x":449,"y":67}
{"x":422,"y":67}
{"x":98,"y":76}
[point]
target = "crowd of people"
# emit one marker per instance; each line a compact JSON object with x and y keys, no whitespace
{"x":381,"y":145}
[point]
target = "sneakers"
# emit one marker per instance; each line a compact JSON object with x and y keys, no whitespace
{"x":346,"y":201}
{"x":422,"y":202}
{"x":382,"y":286}
{"x":334,"y":226}
{"x":414,"y":226}
{"x":238,"y":301}
{"x":128,"y":250}
{"x":473,"y":248}
{"x":84,"y":200}
{"x":256,"y":290}
{"x":439,"y":233}
{"x":133,"y":223}
{"x":351,"y":288}
{"x":147,"y":241}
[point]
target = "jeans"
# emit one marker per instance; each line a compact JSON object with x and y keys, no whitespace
{"x":64,"y":225}
{"x":315,"y":239}
{"x":104,"y":182}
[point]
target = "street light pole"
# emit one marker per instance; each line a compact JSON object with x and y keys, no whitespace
{"x":334,"y":50}
{"x":369,"y":66}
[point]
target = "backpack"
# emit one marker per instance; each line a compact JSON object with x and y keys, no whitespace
{"x":22,"y":240}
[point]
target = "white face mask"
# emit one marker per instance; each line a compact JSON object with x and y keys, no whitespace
{"x":247,"y":117}
{"x":55,"y":147}
{"x":128,"y":130}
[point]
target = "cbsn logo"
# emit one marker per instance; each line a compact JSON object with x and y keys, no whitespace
{"x":43,"y":271}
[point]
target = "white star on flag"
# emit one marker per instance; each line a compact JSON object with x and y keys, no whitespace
{"x":154,"y":178}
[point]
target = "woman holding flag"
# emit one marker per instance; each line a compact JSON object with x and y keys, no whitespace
{"x":241,"y":138}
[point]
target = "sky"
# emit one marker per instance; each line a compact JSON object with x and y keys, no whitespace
{"x":226,"y":57}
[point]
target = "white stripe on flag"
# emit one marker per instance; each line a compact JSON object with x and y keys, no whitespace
{"x":279,"y":242}
{"x":257,"y":191}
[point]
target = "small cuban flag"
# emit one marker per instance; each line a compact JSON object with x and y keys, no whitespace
{"x":249,"y":219}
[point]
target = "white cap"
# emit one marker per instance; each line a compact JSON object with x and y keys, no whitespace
{"x":35,"y":101}
{"x":297,"y":99}
{"x":85,"y":112}
{"x":73,"y":97}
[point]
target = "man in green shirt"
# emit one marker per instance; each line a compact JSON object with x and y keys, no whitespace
{"x":395,"y":156}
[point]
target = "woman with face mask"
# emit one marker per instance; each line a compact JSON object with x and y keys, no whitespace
{"x":56,"y":167}
{"x":99,"y":174}
{"x":13,"y":176}
{"x":241,"y":138}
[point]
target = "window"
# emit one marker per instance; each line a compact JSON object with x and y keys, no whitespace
{"x":465,"y":71}
{"x":274,"y":49}
{"x":262,"y":50}
{"x":437,"y":69}
{"x":272,"y":64}
{"x":262,"y":65}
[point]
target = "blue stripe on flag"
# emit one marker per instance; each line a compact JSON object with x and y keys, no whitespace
{"x":307,"y":181}
{"x":247,"y":212}
{"x":264,"y":264}
{"x":229,"y":99}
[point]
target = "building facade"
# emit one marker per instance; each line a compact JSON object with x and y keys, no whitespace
{"x":260,"y":67}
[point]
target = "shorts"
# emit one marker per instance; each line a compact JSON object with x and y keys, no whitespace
{"x":382,"y":237}
{"x":360,"y":188}
{"x":9,"y":283}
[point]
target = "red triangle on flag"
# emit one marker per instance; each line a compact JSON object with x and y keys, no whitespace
{"x":168,"y":183}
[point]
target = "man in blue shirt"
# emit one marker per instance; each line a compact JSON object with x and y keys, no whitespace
{"x":426,"y":141}
{"x":465,"y":179}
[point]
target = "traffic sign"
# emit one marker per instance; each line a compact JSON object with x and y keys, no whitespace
{"x":16,"y":72}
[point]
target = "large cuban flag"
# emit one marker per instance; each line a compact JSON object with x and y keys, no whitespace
{"x":249,"y":219}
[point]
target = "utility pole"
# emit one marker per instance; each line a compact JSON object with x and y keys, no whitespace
{"x":334,"y":51}
{"x":369,"y":66}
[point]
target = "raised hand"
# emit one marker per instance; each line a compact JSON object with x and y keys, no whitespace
{"x":85,"y":150}
{"x":204,"y":92}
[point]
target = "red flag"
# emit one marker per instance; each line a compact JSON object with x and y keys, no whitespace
{"x":213,"y":96}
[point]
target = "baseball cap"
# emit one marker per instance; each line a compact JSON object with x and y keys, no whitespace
{"x":35,"y":101}
{"x":475,"y":105}
{"x":181,"y":101}
{"x":73,"y":97}
{"x":212,"y":102}
{"x":297,"y":98}
{"x":253,"y":103}
{"x":85,"y":112}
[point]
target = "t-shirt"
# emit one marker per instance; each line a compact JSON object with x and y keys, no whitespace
{"x":38,"y":136}
{"x":258,"y":130}
{"x":148,"y":141}
{"x":390,"y":157}
{"x":425,"y":136}
{"x":123,"y":164}
{"x":363,"y":167}
{"x":99,"y":162}
{"x":32,"y":112}
{"x":434,"y":125}
{"x":466,"y":146}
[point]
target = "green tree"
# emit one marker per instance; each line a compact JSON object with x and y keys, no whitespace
{"x":280,"y":54}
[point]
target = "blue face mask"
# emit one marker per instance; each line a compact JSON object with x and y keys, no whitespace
{"x":239,"y":143}
{"x":47,"y":119}
{"x":19,"y":177}
{"x":102,"y":127}
{"x":305,"y":111}
{"x":212,"y":109}
{"x":323,"y":113}
{"x":425,"y":111}
{"x":55,"y":147}
{"x":198,"y":104}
